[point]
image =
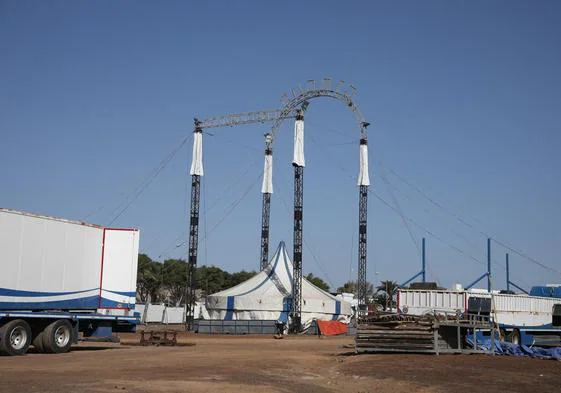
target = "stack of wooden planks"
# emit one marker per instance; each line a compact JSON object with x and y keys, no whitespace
{"x":431,"y":333}
{"x":397,"y":333}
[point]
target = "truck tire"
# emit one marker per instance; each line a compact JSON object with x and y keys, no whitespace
{"x":57,"y":337}
{"x":38,"y":342}
{"x":15,"y":337}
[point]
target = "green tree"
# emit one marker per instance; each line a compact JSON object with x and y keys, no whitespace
{"x":175,"y":280}
{"x":148,"y":279}
{"x":318,"y":282}
{"x":386,"y":292}
{"x":212,"y":279}
{"x":351,"y":287}
{"x":239,"y":277}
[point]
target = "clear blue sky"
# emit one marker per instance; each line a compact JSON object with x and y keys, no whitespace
{"x":464,"y":100}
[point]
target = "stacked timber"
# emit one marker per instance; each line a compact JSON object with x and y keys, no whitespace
{"x":396,"y":333}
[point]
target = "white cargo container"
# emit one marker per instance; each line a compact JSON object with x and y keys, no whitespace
{"x":522,"y":318}
{"x":420,"y":302}
{"x":51,"y":263}
{"x":61,"y":277}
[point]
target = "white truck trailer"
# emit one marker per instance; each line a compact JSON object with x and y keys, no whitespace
{"x":60,"y":278}
{"x":522,"y":319}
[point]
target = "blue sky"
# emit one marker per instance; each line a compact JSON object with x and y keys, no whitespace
{"x":464,"y":100}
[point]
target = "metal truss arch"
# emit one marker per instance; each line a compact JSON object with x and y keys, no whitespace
{"x":298,"y":101}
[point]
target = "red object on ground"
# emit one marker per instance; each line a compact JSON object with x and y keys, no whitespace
{"x":332,"y":328}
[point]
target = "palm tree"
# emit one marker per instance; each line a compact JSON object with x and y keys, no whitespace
{"x":388,"y":289}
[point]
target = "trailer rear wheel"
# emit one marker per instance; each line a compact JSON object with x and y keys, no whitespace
{"x":15,"y":337}
{"x":57,"y":337}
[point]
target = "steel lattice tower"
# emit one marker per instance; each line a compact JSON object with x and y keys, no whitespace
{"x":265,"y":214}
{"x":266,"y":207}
{"x":297,"y":253}
{"x":296,"y":311}
{"x":362,"y":243}
{"x":193,"y":243}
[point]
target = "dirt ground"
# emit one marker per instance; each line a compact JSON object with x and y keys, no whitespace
{"x":263,"y":364}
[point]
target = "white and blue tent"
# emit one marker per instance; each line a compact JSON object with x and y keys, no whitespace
{"x":268,"y":296}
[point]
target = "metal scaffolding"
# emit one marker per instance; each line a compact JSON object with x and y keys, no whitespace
{"x":297,"y":253}
{"x":294,"y":105}
{"x":362,"y":245}
{"x":193,"y":247}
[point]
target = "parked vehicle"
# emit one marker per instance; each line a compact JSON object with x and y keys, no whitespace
{"x":62,"y":278}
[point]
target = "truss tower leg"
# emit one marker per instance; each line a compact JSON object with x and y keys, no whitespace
{"x":297,"y":253}
{"x":362,"y":246}
{"x":196,"y":174}
{"x":265,"y":215}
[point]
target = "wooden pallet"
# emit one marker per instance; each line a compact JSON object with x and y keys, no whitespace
{"x":426,"y":334}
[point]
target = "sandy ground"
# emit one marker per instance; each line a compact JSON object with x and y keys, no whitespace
{"x":263,"y":364}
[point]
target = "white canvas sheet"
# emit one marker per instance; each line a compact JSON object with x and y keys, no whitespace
{"x":267,"y":187}
{"x":197,"y":160}
{"x":154,"y":313}
{"x":298,"y":157}
{"x":363,"y":176}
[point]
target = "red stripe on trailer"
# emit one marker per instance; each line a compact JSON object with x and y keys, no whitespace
{"x":122,"y":229}
{"x":102,"y":258}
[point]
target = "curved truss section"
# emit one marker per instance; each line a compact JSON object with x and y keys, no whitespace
{"x":301,"y":99}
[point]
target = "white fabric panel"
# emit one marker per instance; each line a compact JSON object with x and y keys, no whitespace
{"x":267,"y":187}
{"x":197,"y":160}
{"x":174,"y":315}
{"x":154,"y":313}
{"x":263,"y":296}
{"x":363,"y":177}
{"x":200,"y":311}
{"x":298,"y":157}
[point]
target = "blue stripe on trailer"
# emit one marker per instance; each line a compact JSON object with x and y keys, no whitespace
{"x":20,"y":293}
{"x":106,"y":303}
{"x":90,"y":302}
{"x":129,"y":294}
{"x":68,"y":316}
{"x":229,"y":308}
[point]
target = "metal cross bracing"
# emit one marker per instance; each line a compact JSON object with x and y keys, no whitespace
{"x":265,"y":214}
{"x":291,"y":105}
{"x":362,"y":243}
{"x":244,"y":118}
{"x":296,"y":311}
{"x":266,"y":210}
{"x":193,"y":248}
